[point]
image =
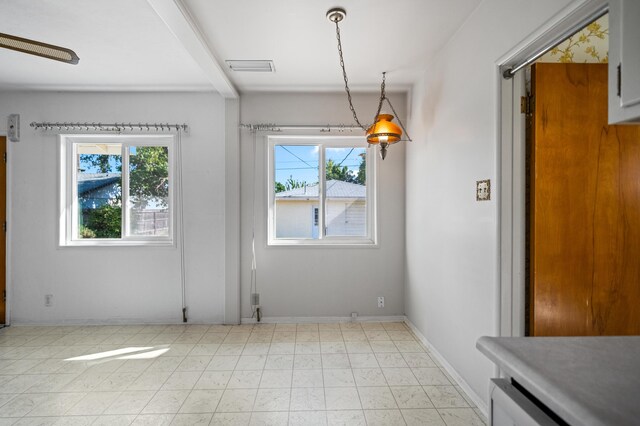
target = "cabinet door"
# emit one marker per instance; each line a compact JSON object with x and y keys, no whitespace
{"x":624,"y":61}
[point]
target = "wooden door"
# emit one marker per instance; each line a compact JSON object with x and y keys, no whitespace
{"x":3,"y":235}
{"x":584,"y":208}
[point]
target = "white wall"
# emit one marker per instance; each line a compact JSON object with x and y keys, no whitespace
{"x":324,"y":281}
{"x":452,"y":240}
{"x":100,"y":284}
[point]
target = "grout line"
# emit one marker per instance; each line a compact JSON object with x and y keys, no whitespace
{"x":79,"y":333}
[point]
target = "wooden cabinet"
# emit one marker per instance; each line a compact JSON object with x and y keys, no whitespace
{"x":624,"y":61}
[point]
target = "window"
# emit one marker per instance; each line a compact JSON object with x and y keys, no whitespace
{"x":116,"y":190}
{"x":321,"y":191}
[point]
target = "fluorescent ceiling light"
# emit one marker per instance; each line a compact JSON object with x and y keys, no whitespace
{"x":38,"y":48}
{"x":251,"y":66}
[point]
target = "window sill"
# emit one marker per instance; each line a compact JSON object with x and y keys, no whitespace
{"x":117,"y":243}
{"x":364,"y":243}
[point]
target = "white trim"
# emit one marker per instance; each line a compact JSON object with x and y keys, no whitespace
{"x":9,"y":235}
{"x":323,"y":320}
{"x":176,"y":321}
{"x":79,"y":322}
{"x":479,"y":402}
{"x":519,"y":203}
{"x":512,"y":208}
{"x":125,"y":226}
{"x":180,"y":22}
{"x":232,"y":213}
{"x":68,"y":198}
{"x":573,"y":13}
{"x":325,"y":142}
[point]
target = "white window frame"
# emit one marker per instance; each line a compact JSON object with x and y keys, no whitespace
{"x":371,"y":238}
{"x":68,"y":213}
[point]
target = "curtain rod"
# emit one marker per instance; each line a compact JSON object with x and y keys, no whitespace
{"x":110,"y":127}
{"x":270,"y":127}
{"x":509,"y":72}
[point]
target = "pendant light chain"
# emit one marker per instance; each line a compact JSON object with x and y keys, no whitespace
{"x":383,"y":96}
{"x":382,"y":131}
{"x":346,"y":85}
{"x":399,"y":121}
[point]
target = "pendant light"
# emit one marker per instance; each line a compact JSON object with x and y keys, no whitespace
{"x":383,"y":131}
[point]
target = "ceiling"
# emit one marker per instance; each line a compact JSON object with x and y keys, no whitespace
{"x":125,"y":45}
{"x":122,"y":45}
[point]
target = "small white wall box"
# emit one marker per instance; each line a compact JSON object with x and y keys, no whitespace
{"x":13,"y":128}
{"x":483,"y":190}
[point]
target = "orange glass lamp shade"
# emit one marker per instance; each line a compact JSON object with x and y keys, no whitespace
{"x":384,"y":132}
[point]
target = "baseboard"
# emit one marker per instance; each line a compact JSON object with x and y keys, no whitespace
{"x":480,"y":403}
{"x":313,"y":320}
{"x":82,"y":322}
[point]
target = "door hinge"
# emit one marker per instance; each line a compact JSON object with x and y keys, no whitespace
{"x":4,"y":226}
{"x":4,"y":295}
{"x":5,"y":157}
{"x":526,"y":105}
{"x":619,"y":85}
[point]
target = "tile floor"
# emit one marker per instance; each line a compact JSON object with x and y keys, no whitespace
{"x":267,"y":374}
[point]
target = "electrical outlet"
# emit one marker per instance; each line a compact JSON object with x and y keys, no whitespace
{"x":381,"y":302}
{"x":483,"y":190}
{"x":48,"y":300}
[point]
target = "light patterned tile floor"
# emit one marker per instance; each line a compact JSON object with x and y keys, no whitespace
{"x":265,"y":374}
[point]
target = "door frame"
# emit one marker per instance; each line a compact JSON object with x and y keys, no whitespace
{"x":7,"y":259}
{"x":511,"y":167}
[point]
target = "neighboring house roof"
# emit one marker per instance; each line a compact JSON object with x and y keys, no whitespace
{"x":88,"y":182}
{"x":335,"y":189}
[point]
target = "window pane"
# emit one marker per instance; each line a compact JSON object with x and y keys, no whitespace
{"x":296,"y":191}
{"x":148,"y":191}
{"x":346,"y":192}
{"x":99,"y":189}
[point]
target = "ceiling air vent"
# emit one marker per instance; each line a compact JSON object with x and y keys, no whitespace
{"x":251,"y":66}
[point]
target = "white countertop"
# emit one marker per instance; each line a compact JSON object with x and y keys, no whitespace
{"x":584,"y":380}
